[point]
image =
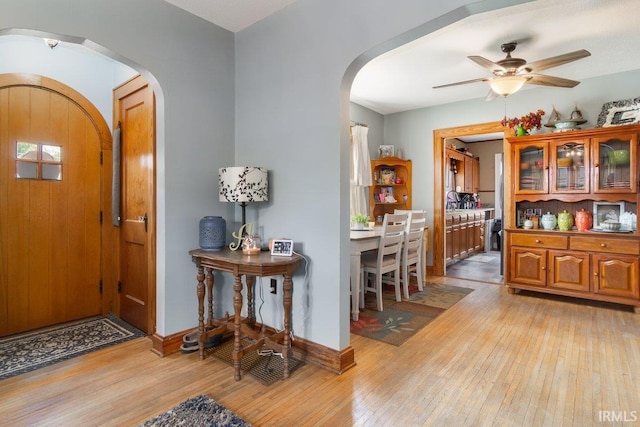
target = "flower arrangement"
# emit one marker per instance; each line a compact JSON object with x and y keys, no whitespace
{"x":526,"y":123}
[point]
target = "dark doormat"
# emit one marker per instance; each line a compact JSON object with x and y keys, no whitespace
{"x":32,"y":350}
{"x":266,"y":369}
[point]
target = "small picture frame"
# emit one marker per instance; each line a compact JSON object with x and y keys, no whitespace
{"x":603,"y":211}
{"x":386,"y":151}
{"x":282,"y":247}
{"x":619,"y":113}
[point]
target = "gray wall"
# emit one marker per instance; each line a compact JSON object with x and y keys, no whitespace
{"x":287,"y":110}
{"x":294,"y":73}
{"x":93,"y":75}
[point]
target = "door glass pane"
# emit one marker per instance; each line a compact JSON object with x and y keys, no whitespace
{"x":532,"y":168}
{"x":614,"y":164}
{"x":51,"y":153}
{"x":570,"y":172}
{"x":52,"y":172}
{"x":26,"y":150}
{"x":26,"y":170}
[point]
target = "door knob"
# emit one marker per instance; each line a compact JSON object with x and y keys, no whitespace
{"x":144,"y":219}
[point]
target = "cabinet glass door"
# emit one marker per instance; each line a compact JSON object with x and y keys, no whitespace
{"x":531,"y":168}
{"x":569,"y":166}
{"x":615,"y":161}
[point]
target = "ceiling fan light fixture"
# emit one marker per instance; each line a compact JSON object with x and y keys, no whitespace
{"x":506,"y":86}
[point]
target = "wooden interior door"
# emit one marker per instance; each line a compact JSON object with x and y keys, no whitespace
{"x":134,"y":104}
{"x":49,"y":223}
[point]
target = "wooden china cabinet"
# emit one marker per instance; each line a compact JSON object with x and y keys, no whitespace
{"x":570,"y":171}
{"x":391,"y":177}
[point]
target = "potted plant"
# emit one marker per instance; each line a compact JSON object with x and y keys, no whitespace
{"x":360,"y":221}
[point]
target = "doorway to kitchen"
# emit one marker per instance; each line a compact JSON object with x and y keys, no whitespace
{"x":486,"y":262}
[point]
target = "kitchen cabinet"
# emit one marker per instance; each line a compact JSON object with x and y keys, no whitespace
{"x":464,"y":234}
{"x":571,"y":171}
{"x":466,"y":171}
{"x":391,"y":177}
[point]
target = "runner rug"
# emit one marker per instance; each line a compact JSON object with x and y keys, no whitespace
{"x":32,"y":350}
{"x":198,"y":411}
{"x":399,"y":321}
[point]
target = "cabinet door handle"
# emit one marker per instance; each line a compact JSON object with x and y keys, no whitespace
{"x":595,"y":273}
{"x":538,"y":241}
{"x":596,"y":165}
{"x":603,"y":245}
{"x":544,"y":268}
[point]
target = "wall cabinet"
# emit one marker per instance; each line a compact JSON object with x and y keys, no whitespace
{"x":570,"y":171}
{"x":560,"y":164}
{"x":391,"y":187}
{"x":466,"y":171}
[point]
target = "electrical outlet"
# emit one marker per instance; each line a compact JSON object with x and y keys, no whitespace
{"x":274,"y":286}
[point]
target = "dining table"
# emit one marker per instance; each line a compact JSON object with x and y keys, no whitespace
{"x":361,"y":241}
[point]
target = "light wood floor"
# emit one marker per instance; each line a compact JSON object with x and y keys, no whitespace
{"x":493,"y":359}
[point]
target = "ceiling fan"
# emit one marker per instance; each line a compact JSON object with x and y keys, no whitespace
{"x":510,"y":74}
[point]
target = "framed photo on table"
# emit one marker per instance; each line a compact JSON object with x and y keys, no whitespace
{"x":605,"y":211}
{"x":618,"y":113}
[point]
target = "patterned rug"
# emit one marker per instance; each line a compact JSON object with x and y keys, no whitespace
{"x":32,"y":350}
{"x":399,"y":321}
{"x":200,"y":411}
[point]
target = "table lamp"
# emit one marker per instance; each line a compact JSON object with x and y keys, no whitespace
{"x":243,"y":184}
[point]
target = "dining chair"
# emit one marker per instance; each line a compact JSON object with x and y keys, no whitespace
{"x":387,"y":258}
{"x":412,"y":257}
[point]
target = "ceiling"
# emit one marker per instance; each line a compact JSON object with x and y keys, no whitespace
{"x":402,"y":79}
{"x":233,"y":15}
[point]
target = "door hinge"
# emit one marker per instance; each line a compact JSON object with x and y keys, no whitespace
{"x":119,"y":286}
{"x":101,"y":217}
{"x":100,"y":285}
{"x":102,"y":157}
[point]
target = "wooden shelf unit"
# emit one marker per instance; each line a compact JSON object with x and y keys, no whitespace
{"x":584,"y":264}
{"x":401,"y":191}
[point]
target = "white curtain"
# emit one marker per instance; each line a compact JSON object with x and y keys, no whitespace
{"x":360,"y":170}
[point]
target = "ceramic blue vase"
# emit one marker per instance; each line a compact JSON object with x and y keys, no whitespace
{"x":212,"y":233}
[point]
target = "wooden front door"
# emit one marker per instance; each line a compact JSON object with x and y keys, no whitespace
{"x":134,"y":110}
{"x":50,"y":190}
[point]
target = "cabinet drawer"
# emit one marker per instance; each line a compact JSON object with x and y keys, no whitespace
{"x":608,"y":245}
{"x":539,"y":241}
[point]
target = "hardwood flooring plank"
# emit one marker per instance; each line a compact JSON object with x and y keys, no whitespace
{"x":493,"y":359}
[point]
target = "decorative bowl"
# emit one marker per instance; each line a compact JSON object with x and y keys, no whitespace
{"x":568,"y":124}
{"x":610,"y":225}
{"x":619,"y":157}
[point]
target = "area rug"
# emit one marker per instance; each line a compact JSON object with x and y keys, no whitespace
{"x":32,"y":350}
{"x":266,"y":369}
{"x":200,"y":411}
{"x":399,"y":321}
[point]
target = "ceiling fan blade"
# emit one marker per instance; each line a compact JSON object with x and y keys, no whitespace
{"x":554,"y":61}
{"x":485,"y":63}
{"x":542,"y":80}
{"x":483,"y":79}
